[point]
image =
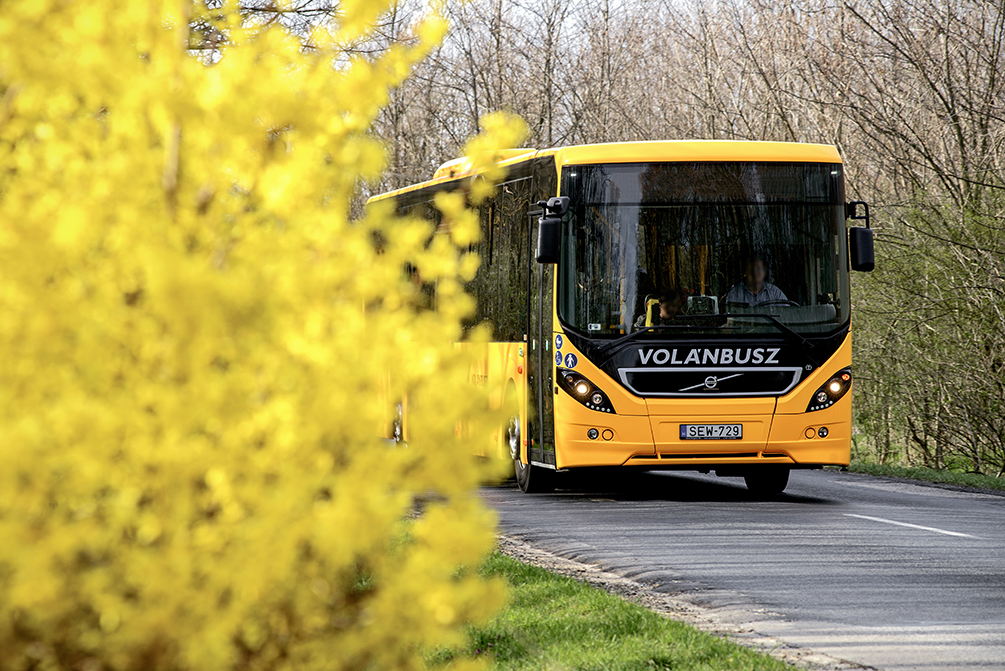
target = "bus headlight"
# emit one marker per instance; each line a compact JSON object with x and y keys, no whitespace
{"x":831,"y":391}
{"x":584,"y":391}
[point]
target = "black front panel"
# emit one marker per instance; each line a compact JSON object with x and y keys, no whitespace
{"x":657,"y":366}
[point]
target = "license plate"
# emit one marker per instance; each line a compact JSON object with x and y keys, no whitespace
{"x":711,"y":431}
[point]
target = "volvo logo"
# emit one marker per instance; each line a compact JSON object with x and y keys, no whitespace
{"x":711,"y":382}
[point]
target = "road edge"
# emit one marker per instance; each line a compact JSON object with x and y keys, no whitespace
{"x":676,"y":606}
{"x":933,"y":484}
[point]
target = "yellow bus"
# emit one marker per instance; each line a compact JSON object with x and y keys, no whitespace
{"x":668,"y":305}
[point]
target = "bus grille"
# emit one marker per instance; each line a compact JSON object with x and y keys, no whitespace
{"x":699,"y":382}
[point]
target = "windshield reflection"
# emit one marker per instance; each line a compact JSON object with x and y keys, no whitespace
{"x":710,"y":247}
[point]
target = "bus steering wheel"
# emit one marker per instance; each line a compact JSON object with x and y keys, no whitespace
{"x":779,"y":301}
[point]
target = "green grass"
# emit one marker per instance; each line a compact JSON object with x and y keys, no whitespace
{"x":930,"y":475}
{"x":555,"y":622}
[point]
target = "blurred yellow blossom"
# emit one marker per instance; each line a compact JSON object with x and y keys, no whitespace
{"x":199,"y":351}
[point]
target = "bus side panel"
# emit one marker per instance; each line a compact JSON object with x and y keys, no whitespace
{"x":508,"y":384}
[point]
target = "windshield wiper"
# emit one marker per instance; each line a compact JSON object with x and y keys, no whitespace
{"x":774,"y":320}
{"x":646,"y":329}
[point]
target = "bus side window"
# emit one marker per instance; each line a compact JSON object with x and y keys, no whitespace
{"x":510,"y":260}
{"x":481,"y":287}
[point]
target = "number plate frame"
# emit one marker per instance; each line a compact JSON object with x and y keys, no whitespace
{"x":711,"y":431}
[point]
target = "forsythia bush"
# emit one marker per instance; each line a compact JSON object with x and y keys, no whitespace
{"x":198,"y":352}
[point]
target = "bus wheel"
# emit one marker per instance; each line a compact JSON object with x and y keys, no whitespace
{"x":531,"y":479}
{"x":765,"y":481}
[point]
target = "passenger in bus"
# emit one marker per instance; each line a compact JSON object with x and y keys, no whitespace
{"x":670,"y":306}
{"x":753,"y":290}
{"x":645,"y":288}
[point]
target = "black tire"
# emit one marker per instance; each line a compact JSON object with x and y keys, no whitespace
{"x":767,"y":481}
{"x":530,"y":478}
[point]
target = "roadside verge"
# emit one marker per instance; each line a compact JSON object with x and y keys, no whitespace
{"x":731,"y":623}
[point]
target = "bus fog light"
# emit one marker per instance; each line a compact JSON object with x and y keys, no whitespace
{"x":823,"y":432}
{"x":592,"y":434}
{"x":822,"y":397}
{"x":608,"y":434}
{"x":810,"y":432}
{"x":597,"y":398}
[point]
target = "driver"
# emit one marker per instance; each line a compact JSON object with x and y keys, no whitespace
{"x":753,"y":290}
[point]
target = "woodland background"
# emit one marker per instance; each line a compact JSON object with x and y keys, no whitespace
{"x":911,"y":91}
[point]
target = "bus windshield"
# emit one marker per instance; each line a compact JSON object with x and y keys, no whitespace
{"x":709,"y":247}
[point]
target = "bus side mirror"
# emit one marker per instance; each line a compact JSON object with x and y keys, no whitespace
{"x":549,"y":229}
{"x":861,"y":249}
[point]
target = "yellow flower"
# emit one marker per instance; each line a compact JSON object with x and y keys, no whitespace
{"x":199,"y":352}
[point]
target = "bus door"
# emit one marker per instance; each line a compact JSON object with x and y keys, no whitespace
{"x":540,"y":355}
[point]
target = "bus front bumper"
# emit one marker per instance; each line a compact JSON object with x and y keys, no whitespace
{"x":653,"y":441}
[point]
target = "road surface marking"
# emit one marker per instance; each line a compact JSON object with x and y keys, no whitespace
{"x":912,"y":526}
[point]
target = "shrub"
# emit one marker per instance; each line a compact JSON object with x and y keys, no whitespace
{"x":198,"y":351}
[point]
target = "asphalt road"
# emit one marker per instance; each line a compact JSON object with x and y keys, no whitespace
{"x":880,"y":572}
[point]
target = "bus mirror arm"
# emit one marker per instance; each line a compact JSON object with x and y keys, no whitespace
{"x":861,"y":247}
{"x":549,"y":229}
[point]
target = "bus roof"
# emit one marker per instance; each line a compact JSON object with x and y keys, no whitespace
{"x":661,"y":151}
